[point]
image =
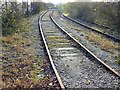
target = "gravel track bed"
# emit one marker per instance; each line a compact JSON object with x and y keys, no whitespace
{"x":40,"y":53}
{"x":99,"y":28}
{"x":81,"y":36}
{"x":76,"y":70}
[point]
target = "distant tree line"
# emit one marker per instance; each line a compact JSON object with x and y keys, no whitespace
{"x":13,"y":12}
{"x":106,"y":14}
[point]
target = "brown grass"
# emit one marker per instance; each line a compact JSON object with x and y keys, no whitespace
{"x":75,"y":28}
{"x":54,"y":37}
{"x":102,"y":42}
{"x":117,"y":57}
{"x":18,"y":63}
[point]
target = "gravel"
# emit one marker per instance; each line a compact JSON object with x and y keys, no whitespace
{"x":76,"y":70}
{"x":40,"y":53}
{"x":106,"y":56}
{"x":99,"y":28}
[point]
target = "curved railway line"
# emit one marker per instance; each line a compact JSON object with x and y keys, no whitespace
{"x":96,"y":43}
{"x":47,"y":50}
{"x":66,"y":55}
{"x":93,"y":29}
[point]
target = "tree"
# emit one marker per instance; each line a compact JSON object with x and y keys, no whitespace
{"x":102,"y":13}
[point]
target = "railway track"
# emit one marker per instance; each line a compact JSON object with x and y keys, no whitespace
{"x":96,"y":24}
{"x":47,"y":50}
{"x":70,"y":58}
{"x":93,"y":29}
{"x":106,"y":54}
{"x":110,"y":61}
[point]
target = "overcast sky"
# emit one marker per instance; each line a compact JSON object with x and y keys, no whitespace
{"x":61,"y":1}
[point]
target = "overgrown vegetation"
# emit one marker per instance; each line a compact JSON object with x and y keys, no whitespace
{"x":99,"y":40}
{"x":21,"y":68}
{"x":58,"y":41}
{"x":102,"y":13}
{"x":20,"y":65}
{"x":102,"y":42}
{"x":14,"y":13}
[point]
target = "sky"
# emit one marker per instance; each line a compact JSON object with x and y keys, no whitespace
{"x":47,"y":1}
{"x":58,"y":1}
{"x":65,"y":1}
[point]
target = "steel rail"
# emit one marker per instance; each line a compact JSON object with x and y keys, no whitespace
{"x":102,"y":26}
{"x":48,"y":51}
{"x":84,"y":48}
{"x":93,"y":29}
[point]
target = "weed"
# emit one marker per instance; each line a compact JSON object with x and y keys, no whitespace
{"x":76,"y":28}
{"x":59,"y":40}
{"x":17,"y":61}
{"x":117,"y":57}
{"x":59,"y":45}
{"x":55,"y":37}
{"x":102,"y":42}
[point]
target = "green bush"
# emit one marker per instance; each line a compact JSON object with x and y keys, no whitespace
{"x":9,"y":22}
{"x":102,"y":13}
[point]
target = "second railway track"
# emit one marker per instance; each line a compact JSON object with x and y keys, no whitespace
{"x":76,"y":66}
{"x":116,"y":39}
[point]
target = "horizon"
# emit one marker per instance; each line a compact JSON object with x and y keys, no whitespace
{"x":60,"y":1}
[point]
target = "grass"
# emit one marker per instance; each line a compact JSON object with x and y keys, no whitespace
{"x":20,"y":64}
{"x":59,"y":40}
{"x":37,"y":70}
{"x":76,"y":28}
{"x":117,"y":57}
{"x":105,"y":44}
{"x":102,"y":42}
{"x":73,"y":26}
{"x":102,"y":30}
{"x":15,"y":67}
{"x":54,"y":37}
{"x":58,"y":45}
